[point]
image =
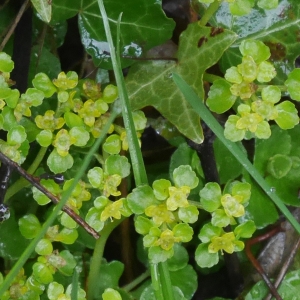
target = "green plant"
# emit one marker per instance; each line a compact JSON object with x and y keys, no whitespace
{"x":90,"y":131}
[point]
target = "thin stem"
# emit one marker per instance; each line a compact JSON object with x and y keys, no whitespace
{"x":212,"y":8}
{"x":166,"y":280}
{"x":156,"y":283}
{"x":134,"y":283}
{"x":22,"y":182}
{"x":138,"y":166}
{"x":14,"y":25}
{"x":94,"y":273}
{"x":234,"y":148}
{"x":28,"y":251}
{"x":36,"y":183}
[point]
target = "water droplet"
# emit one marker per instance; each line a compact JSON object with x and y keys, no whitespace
{"x":272,"y":190}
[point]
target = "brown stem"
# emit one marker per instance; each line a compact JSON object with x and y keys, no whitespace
{"x":257,"y":265}
{"x":14,"y":24}
{"x":35,"y":182}
{"x":285,"y":266}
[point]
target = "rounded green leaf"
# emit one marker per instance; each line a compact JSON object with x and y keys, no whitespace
{"x":59,"y":164}
{"x":185,"y":176}
{"x":67,"y":236}
{"x":67,"y":221}
{"x":205,"y":259}
{"x":293,"y":84}
{"x":112,"y":144}
{"x":245,"y":230}
{"x":110,"y":93}
{"x":142,"y":225}
{"x":220,"y":218}
{"x":44,"y":247}
{"x":73,"y":120}
{"x":43,"y":83}
{"x":42,"y":273}
{"x":6,"y":63}
{"x":116,"y":164}
{"x":231,"y":132}
{"x":16,"y":135}
{"x":157,"y":254}
{"x":54,"y":290}
{"x":188,"y":214}
{"x":95,"y":177}
{"x":184,"y":232}
{"x":80,"y":134}
{"x":287,"y":115}
{"x":271,"y":93}
{"x":279,"y":165}
{"x":267,"y":4}
{"x":29,"y":226}
{"x":66,"y":263}
{"x":255,"y":48}
{"x":44,"y":138}
{"x":161,"y":188}
{"x":93,"y":219}
{"x":180,"y":258}
{"x":220,"y":98}
{"x":111,"y":294}
{"x":140,"y":198}
{"x":208,"y":231}
{"x":139,"y":119}
{"x":210,"y":196}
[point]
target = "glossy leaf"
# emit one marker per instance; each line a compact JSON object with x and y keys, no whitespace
{"x":205,"y":259}
{"x":275,"y":27}
{"x":199,"y":46}
{"x":116,"y":164}
{"x":188,"y":287}
{"x":43,"y":8}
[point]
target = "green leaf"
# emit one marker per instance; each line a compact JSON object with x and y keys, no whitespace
{"x":289,"y":288}
{"x":180,"y":258}
{"x":210,"y":196}
{"x":185,"y":176}
{"x":6,"y":63}
{"x":188,"y":287}
{"x":59,"y":164}
{"x":140,"y":198}
{"x":93,"y":219}
{"x":150,"y":83}
{"x":142,"y":225}
{"x":259,"y":203}
{"x":228,"y":166}
{"x":112,"y":144}
{"x":287,"y":115}
{"x":274,"y":27}
{"x":183,"y":231}
{"x":43,"y":8}
{"x":142,"y":28}
{"x":116,"y":164}
{"x":29,"y":226}
{"x":110,"y":274}
{"x":245,"y":230}
{"x":43,"y":83}
{"x":278,"y":143}
{"x":12,"y":234}
{"x":16,"y":135}
{"x":157,"y":254}
{"x":220,"y":98}
{"x":67,"y":268}
{"x":208,"y":231}
{"x":96,"y":177}
{"x":205,"y":259}
{"x":111,"y":294}
{"x":279,"y":165}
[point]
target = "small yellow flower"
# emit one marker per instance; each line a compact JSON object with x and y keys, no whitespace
{"x":112,"y":211}
{"x":178,"y":197}
{"x":160,"y":214}
{"x":224,"y":242}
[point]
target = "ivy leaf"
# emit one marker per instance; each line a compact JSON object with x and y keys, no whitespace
{"x":142,"y":28}
{"x":44,"y":8}
{"x":277,"y":28}
{"x":150,"y":83}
